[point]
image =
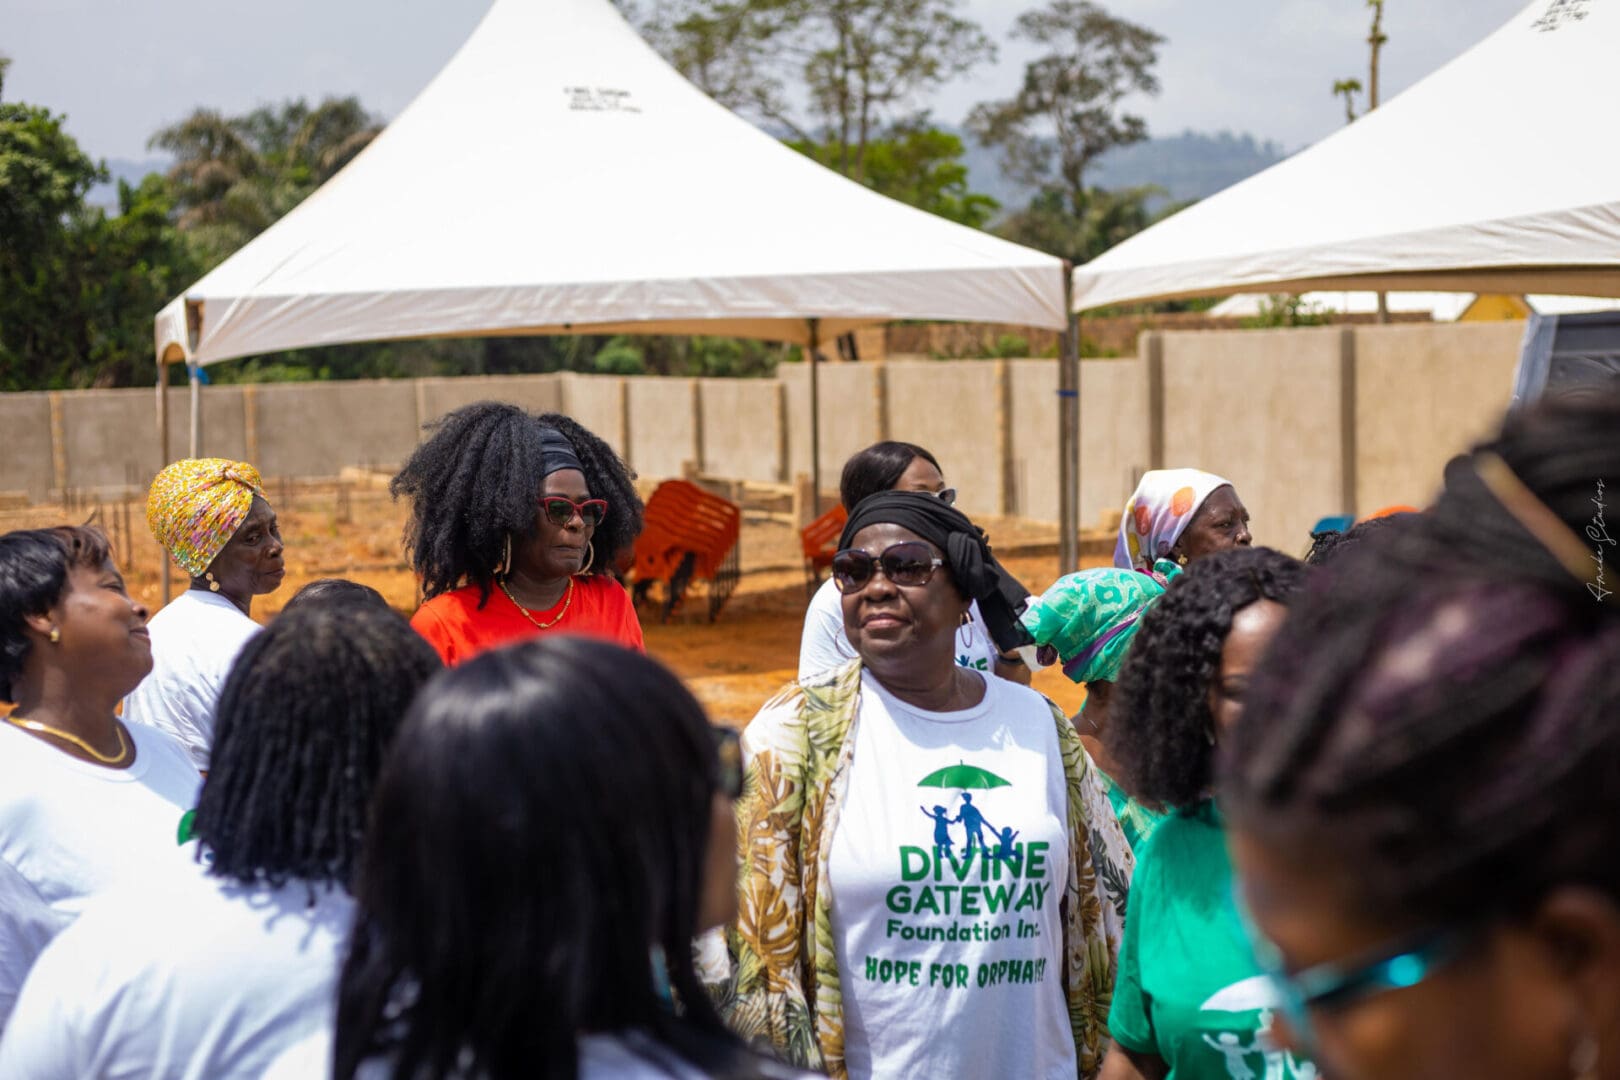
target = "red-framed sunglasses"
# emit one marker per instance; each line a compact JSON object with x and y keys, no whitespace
{"x":560,"y":511}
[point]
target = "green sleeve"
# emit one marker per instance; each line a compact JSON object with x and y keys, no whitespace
{"x":1129,"y":1020}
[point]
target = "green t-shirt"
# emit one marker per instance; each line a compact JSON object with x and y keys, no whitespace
{"x":1137,"y":820}
{"x":1189,"y":990}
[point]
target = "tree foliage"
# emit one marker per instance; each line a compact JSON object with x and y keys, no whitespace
{"x":233,"y":177}
{"x":830,"y":73}
{"x":1068,"y":109}
{"x":78,"y":287}
{"x":917,"y":164}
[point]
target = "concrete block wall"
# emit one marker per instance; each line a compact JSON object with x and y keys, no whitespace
{"x":1307,"y":422}
{"x":851,"y":415}
{"x":536,"y":393}
{"x":599,"y":402}
{"x":26,"y":466}
{"x":1264,"y":411}
{"x":314,"y":429}
{"x":960,"y":413}
{"x":745,"y":429}
{"x":665,"y":430}
{"x":1423,"y":395}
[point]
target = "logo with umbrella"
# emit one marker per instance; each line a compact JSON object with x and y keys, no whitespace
{"x":966,"y":779}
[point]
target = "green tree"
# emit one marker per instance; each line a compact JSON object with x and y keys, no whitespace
{"x":78,"y":287}
{"x":1068,"y":110}
{"x":233,"y":177}
{"x":918,"y":164}
{"x":1051,"y":223}
{"x":857,"y":66}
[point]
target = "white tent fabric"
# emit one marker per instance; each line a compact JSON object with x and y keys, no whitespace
{"x":1441,"y":306}
{"x":558,"y":175}
{"x":1488,"y":176}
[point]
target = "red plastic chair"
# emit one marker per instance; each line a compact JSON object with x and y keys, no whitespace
{"x":819,"y":540}
{"x":689,"y":535}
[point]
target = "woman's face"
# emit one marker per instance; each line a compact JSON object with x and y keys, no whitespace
{"x":1513,"y":1005}
{"x":1252,"y":629}
{"x":892,"y":624}
{"x":557,"y":551}
{"x":102,"y":630}
{"x":251,"y":563}
{"x":1220,"y":524}
{"x":921,"y":475}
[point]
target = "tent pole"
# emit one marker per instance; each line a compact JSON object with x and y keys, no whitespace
{"x":1069,"y":434}
{"x":163,"y":457}
{"x":815,"y":421}
{"x":192,"y":372}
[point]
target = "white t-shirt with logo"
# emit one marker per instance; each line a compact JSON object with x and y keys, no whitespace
{"x":824,"y":645}
{"x":947,"y":870}
{"x":195,"y":640}
{"x":70,"y":830}
{"x":193,"y":976}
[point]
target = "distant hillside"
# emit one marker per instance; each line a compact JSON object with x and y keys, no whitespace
{"x":106,"y":195}
{"x":1191,"y":165}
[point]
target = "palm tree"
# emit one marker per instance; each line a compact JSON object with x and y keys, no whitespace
{"x":233,"y":177}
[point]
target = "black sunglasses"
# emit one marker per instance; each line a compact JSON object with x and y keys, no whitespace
{"x":560,"y":511}
{"x":911,"y":563}
{"x":728,"y":751}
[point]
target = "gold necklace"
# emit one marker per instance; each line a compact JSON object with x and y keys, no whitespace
{"x":568,"y":599}
{"x":118,"y":729}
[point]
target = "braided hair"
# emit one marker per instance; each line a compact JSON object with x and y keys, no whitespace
{"x":307,"y":711}
{"x":476,"y":482}
{"x":1442,"y":716}
{"x":1160,"y":732}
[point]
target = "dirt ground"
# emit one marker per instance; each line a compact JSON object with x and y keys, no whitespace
{"x":733,"y":665}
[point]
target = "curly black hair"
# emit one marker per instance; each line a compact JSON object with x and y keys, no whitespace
{"x":1330,"y":545}
{"x":301,"y":727}
{"x":1162,"y":720}
{"x":477,"y":481}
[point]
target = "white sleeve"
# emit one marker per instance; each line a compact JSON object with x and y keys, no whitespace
{"x":824,"y":645}
{"x":42,"y":1039}
{"x":27,"y":925}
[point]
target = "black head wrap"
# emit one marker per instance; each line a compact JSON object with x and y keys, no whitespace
{"x":1000,"y":595}
{"x":556,"y":453}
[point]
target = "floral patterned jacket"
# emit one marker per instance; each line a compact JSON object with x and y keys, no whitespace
{"x":778,"y":984}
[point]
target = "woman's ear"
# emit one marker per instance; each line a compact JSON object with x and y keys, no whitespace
{"x":1579,"y":930}
{"x":42,"y":624}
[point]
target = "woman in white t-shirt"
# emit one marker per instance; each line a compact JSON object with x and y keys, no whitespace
{"x":214,"y":970}
{"x":210,"y":515}
{"x":934,"y":883}
{"x":894,"y":466}
{"x":87,"y":802}
{"x":553,"y":826}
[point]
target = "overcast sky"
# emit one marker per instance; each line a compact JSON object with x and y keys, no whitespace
{"x":120,"y":69}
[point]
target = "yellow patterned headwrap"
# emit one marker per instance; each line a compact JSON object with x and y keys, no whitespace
{"x":195,"y":506}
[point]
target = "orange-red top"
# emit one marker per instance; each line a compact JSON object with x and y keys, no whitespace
{"x":454,"y":624}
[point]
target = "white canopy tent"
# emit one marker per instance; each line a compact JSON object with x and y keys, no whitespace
{"x":558,"y":176}
{"x":1488,"y":176}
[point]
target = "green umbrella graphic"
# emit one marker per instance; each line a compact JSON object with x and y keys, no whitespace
{"x":963,"y":776}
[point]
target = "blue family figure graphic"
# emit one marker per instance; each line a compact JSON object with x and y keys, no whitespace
{"x":942,"y":830}
{"x":1004,"y":847}
{"x":973,"y":824}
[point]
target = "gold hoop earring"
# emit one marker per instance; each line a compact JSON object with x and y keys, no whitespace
{"x":590,"y":559}
{"x":1583,"y":1060}
{"x":506,"y":557}
{"x":208,"y":576}
{"x":967,"y":619}
{"x":56,"y":635}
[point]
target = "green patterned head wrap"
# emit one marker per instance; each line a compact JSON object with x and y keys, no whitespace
{"x":1090,"y":619}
